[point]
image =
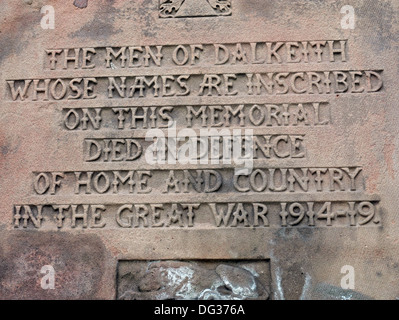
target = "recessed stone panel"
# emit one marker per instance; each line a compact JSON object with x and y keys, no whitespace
{"x":192,"y":280}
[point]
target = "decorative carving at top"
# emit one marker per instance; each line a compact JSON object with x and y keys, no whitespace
{"x":223,"y":7}
{"x":168,"y":8}
{"x":194,"y":8}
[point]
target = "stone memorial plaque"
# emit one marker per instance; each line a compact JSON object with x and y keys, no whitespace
{"x":199,"y":149}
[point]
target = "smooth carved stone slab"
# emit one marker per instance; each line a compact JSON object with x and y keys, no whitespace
{"x":204,"y":280}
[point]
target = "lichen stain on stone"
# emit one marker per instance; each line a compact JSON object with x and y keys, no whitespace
{"x":13,"y":34}
{"x":101,"y":27}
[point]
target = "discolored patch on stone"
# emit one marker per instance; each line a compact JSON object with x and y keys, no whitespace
{"x":78,"y":262}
